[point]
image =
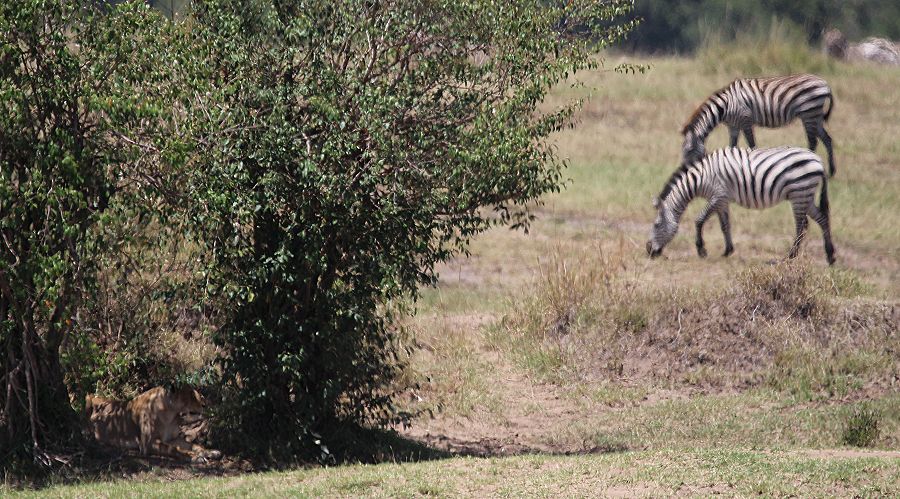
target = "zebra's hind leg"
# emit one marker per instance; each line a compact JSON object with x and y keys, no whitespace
{"x":821,"y":218}
{"x":800,"y":211}
{"x":812,"y":134}
{"x":826,"y":139}
{"x":726,"y":230}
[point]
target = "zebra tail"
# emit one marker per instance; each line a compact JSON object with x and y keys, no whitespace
{"x":830,"y":107}
{"x":823,"y":197}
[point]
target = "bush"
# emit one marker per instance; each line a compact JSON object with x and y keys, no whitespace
{"x":345,"y":149}
{"x":77,"y":108}
{"x":862,"y":427}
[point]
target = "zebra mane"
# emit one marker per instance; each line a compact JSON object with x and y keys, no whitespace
{"x":710,"y":101}
{"x":673,"y":179}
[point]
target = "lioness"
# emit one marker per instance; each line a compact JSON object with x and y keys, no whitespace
{"x":150,"y":423}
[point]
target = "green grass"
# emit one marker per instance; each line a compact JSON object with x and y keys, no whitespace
{"x":733,"y":472}
{"x":759,"y":419}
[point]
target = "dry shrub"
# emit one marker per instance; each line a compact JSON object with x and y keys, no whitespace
{"x":779,"y":325}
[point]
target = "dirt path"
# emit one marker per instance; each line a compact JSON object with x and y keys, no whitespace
{"x":527,"y":408}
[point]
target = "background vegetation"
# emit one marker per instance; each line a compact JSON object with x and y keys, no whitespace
{"x":684,"y":26}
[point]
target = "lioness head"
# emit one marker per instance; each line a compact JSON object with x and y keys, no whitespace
{"x":189,"y":403}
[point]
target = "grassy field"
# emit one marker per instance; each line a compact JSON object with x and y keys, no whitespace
{"x":633,"y":474}
{"x":564,"y":360}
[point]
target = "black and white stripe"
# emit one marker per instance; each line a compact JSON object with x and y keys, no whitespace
{"x":768,"y":102}
{"x":752,"y":178}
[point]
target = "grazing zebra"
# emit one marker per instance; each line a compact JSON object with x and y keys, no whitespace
{"x":769,"y":102}
{"x":754,"y":179}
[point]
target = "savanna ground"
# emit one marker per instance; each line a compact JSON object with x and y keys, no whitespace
{"x":565,"y":361}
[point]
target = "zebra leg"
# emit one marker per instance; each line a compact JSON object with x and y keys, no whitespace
{"x":748,"y":134}
{"x":704,"y":214}
{"x":733,"y":133}
{"x":802,"y":223}
{"x":821,"y":218}
{"x":726,"y":230}
{"x":812,"y":134}
{"x":826,"y":139}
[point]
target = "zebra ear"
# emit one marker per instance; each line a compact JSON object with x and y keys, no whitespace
{"x":655,"y":202}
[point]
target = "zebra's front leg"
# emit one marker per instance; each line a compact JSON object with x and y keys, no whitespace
{"x":733,"y":133}
{"x":707,"y":211}
{"x":802,"y":223}
{"x":726,"y":230}
{"x":748,"y":134}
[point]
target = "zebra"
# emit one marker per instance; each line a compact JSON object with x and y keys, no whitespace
{"x":753,"y":178}
{"x":769,"y":102}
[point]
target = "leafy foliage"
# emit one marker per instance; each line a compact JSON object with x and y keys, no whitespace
{"x":347,"y":148}
{"x":75,"y":99}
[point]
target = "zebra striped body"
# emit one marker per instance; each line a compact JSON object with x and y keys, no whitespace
{"x":752,"y":178}
{"x":768,"y":102}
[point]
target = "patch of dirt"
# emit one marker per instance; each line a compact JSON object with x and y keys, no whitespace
{"x":634,"y":490}
{"x":712,"y":489}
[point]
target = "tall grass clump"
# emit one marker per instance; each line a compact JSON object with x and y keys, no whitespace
{"x":862,"y":428}
{"x":775,"y":49}
{"x":572,"y":292}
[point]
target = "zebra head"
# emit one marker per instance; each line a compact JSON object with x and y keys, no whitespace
{"x":693,"y":148}
{"x":664,"y":228}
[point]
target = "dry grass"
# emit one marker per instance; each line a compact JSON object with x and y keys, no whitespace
{"x":783,"y":326}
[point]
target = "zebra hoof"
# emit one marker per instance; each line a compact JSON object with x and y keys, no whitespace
{"x":831,"y":259}
{"x":701,"y":251}
{"x":728,"y":251}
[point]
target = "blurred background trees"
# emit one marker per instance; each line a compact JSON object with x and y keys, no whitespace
{"x":683,"y":26}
